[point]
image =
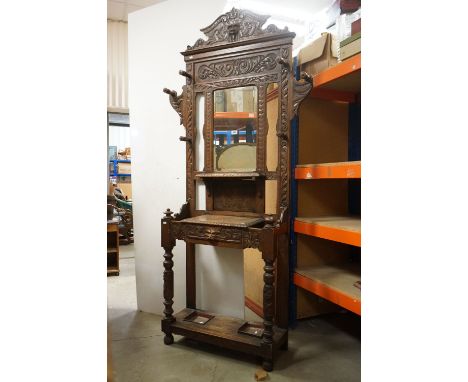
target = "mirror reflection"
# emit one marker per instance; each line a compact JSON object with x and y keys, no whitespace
{"x":235,"y":129}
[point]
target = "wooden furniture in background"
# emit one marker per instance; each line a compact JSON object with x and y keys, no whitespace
{"x":327,"y":226}
{"x":231,"y":70}
{"x":113,"y":247}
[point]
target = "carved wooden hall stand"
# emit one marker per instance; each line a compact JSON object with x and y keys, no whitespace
{"x":235,"y":70}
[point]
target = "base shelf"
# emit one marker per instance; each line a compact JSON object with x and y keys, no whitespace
{"x":333,"y":283}
{"x":224,"y":331}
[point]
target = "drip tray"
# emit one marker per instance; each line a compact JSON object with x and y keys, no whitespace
{"x":198,"y":318}
{"x":252,"y":329}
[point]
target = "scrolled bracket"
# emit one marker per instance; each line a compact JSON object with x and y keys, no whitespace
{"x":301,"y":90}
{"x":284,"y":63}
{"x":184,"y":211}
{"x":175,"y":101}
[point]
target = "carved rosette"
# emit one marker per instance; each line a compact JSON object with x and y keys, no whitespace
{"x":236,"y":25}
{"x":237,"y":67}
{"x":246,"y":238}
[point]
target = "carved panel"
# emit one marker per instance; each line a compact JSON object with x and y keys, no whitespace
{"x":208,"y":131}
{"x":283,"y":134}
{"x":237,"y":236}
{"x":234,"y":195}
{"x":251,"y":239}
{"x":236,"y":25}
{"x":237,"y":67}
{"x":237,"y":82}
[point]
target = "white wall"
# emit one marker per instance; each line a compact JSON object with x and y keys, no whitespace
{"x":157,"y":35}
{"x":117,"y":65}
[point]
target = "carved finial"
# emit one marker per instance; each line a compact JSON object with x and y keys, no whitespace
{"x":168,"y":214}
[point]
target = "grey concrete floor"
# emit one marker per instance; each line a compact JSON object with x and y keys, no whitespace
{"x":325,"y":349}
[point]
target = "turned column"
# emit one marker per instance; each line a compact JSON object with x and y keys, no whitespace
{"x":268,"y":247}
{"x":167,"y":242}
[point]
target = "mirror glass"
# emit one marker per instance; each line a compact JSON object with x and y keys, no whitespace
{"x":272,"y":107}
{"x":235,"y":129}
{"x":199,"y":122}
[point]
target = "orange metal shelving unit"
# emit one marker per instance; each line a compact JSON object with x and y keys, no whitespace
{"x":337,"y":283}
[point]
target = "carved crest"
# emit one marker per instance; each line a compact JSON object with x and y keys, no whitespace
{"x":236,"y":25}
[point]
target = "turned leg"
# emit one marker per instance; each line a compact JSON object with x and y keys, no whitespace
{"x":168,"y":244}
{"x":268,"y":311}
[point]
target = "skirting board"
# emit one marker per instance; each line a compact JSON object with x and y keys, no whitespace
{"x":254,"y":307}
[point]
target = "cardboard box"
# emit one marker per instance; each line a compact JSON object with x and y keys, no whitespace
{"x":126,"y":189}
{"x":348,"y":6}
{"x":351,"y":49}
{"x":319,"y":55}
{"x":124,"y":168}
{"x":356,"y":26}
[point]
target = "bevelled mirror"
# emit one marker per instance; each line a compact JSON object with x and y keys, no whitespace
{"x":235,"y":129}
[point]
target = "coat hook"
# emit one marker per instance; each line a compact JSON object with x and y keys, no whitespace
{"x":185,"y":139}
{"x":172,"y":93}
{"x":185,"y":74}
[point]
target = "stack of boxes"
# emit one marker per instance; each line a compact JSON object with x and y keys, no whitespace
{"x":341,"y":41}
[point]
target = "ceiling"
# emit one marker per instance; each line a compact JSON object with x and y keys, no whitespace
{"x":119,"y":9}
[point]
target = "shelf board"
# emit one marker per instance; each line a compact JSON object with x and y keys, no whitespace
{"x":342,"y":229}
{"x":234,"y":114}
{"x":232,"y":174}
{"x":343,"y":77}
{"x":225,"y":329}
{"x":333,"y":283}
{"x":224,"y":220}
{"x":337,"y":170}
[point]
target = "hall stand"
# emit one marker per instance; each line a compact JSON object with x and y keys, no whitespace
{"x":242,"y":61}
